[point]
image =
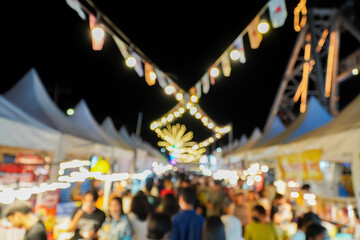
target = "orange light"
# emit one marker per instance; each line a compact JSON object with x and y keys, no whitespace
{"x":330,"y":64}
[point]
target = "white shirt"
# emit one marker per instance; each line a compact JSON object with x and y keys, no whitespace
{"x":140,"y":227}
{"x":233,"y":229}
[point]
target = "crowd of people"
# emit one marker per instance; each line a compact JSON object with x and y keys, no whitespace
{"x":180,"y":207}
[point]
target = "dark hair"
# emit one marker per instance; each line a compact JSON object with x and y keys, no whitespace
{"x":189,"y":195}
{"x":170,"y":204}
{"x":149,"y":183}
{"x":278,"y":196}
{"x":213,"y":229}
{"x":311,"y":217}
{"x":305,"y":187}
{"x":260,"y":209}
{"x":17,"y":206}
{"x":140,"y":206}
{"x":93,"y":193}
{"x":314,"y":230}
{"x":119,"y":200}
{"x":158,"y":225}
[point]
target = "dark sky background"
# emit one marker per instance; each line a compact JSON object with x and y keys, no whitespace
{"x":182,"y":39}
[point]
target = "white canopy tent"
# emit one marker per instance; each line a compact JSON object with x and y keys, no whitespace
{"x":30,"y":95}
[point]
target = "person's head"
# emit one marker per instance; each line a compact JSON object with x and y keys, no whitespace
{"x":88,"y":201}
{"x":140,"y":206}
{"x":307,"y":219}
{"x":159,"y":226}
{"x":240,"y":198}
{"x":185,"y":183}
{"x":149,"y":184}
{"x":305,"y":188}
{"x":315,"y":232}
{"x":213,"y":229}
{"x":252,"y":195}
{"x":187,"y":198}
{"x":217,"y":185}
{"x":258,"y":213}
{"x":168,"y":183}
{"x":170,"y":204}
{"x":16,"y":213}
{"x":279,"y":199}
{"x":227,"y":203}
{"x":115,"y":207}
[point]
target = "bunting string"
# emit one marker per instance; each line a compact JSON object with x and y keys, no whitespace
{"x":187,"y":100}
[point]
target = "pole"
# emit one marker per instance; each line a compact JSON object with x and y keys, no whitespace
{"x":139,"y":123}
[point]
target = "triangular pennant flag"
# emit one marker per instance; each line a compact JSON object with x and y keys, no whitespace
{"x":161,"y":78}
{"x":205,"y":83}
{"x":278,"y":12}
{"x":239,"y":45}
{"x":74,"y":4}
{"x":212,"y":78}
{"x":198,"y":89}
{"x":138,"y":67}
{"x":150,"y":76}
{"x":121,"y":45}
{"x":97,"y":42}
{"x":255,"y":37}
{"x":225,"y":64}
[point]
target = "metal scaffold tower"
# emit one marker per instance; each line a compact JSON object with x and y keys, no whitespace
{"x":315,"y":67}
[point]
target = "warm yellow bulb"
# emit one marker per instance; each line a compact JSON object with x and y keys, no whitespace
{"x":98,"y":33}
{"x":163,"y":120}
{"x":214,"y":72}
{"x":263,"y":27}
{"x":181,"y":110}
{"x":235,"y":54}
{"x":193,"y":110}
{"x":170,"y":117}
{"x":198,"y":115}
{"x":169,"y":89}
{"x":188,"y":105}
{"x":194,"y":98}
{"x":210,"y":125}
{"x":179,"y":96}
{"x":152,"y":75}
{"x":130,"y":61}
{"x":176,"y":114}
{"x":154,"y":125}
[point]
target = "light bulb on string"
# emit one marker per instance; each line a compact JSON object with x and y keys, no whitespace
{"x":263,"y":26}
{"x":235,"y":54}
{"x":131,"y":62}
{"x":179,"y":96}
{"x":214,"y":72}
{"x":169,"y":89}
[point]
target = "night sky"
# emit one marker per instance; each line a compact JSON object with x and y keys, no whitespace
{"x":181,"y":39}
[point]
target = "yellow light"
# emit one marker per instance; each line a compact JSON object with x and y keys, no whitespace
{"x":170,"y":117}
{"x":214,"y":72}
{"x":204,"y":120}
{"x":181,"y":110}
{"x":355,"y":71}
{"x":152,"y":75}
{"x":198,"y":115}
{"x":210,"y":125}
{"x":130,"y":62}
{"x":193,"y":110}
{"x":163,"y":120}
{"x":98,"y":33}
{"x":188,"y":105}
{"x":179,"y":96}
{"x":194,"y":98}
{"x":218,"y":135}
{"x":154,"y":125}
{"x":176,"y":114}
{"x":211,"y":139}
{"x":235,"y":54}
{"x":70,"y":112}
{"x":263,"y":27}
{"x":169,"y":89}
